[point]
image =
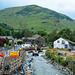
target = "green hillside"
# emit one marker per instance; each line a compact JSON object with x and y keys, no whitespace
{"x":6,"y":27}
{"x":35,"y":18}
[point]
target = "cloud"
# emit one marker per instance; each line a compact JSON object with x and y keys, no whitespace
{"x":62,"y":6}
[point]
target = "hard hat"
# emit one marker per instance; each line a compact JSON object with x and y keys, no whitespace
{"x":20,"y":48}
{"x":1,"y":52}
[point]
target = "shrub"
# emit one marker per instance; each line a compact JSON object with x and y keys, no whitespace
{"x":52,"y":57}
{"x":63,"y":49}
{"x":64,"y":63}
{"x":55,"y":58}
{"x":55,"y":48}
{"x":74,"y":69}
{"x":58,"y":58}
{"x":10,"y":43}
{"x":51,"y":47}
{"x":7,"y":46}
{"x":42,"y":48}
{"x":48,"y":53}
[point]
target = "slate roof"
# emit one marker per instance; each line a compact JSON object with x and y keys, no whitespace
{"x":33,"y":37}
{"x":36,"y":36}
{"x":73,"y":43}
{"x":9,"y":37}
{"x":30,"y":38}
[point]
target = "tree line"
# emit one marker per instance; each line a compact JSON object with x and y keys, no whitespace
{"x":65,"y":33}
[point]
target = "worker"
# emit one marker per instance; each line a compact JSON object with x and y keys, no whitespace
{"x":36,"y":47}
{"x":1,"y":55}
{"x":19,"y":51}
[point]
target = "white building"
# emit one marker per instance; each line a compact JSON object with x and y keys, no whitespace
{"x":64,"y":43}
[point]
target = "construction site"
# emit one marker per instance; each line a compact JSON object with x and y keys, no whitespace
{"x":15,"y":61}
{"x":29,"y":60}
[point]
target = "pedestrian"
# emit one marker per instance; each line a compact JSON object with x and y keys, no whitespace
{"x":36,"y":47}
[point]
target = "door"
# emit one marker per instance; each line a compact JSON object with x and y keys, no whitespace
{"x":66,"y":46}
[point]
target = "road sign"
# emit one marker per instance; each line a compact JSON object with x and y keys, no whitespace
{"x":14,"y":54}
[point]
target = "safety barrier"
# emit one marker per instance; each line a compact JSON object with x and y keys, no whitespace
{"x":27,"y":65}
{"x":12,"y":64}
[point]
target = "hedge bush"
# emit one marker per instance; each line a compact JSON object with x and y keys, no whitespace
{"x":55,"y":57}
{"x":74,"y":69}
{"x":48,"y":54}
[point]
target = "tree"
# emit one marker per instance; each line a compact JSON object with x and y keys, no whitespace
{"x":66,"y":33}
{"x":65,"y":36}
{"x":1,"y":31}
{"x":7,"y":40}
{"x":42,"y":33}
{"x":4,"y":32}
{"x":2,"y":41}
{"x":27,"y":33}
{"x":7,"y":32}
{"x":17,"y":34}
{"x":53,"y":36}
{"x":73,"y":36}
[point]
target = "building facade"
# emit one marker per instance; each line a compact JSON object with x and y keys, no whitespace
{"x":64,"y":43}
{"x":36,"y":39}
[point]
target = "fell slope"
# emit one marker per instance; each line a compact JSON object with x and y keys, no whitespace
{"x":35,"y":18}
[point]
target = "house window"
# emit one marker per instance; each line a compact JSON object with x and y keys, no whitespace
{"x":57,"y":41}
{"x":63,"y":42}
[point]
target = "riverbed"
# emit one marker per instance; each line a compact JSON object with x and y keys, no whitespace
{"x":41,"y":67}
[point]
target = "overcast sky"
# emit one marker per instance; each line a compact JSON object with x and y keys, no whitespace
{"x":62,"y":6}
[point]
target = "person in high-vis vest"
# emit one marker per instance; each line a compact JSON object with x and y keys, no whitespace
{"x":36,"y":47}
